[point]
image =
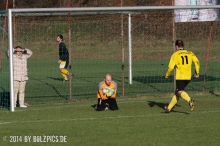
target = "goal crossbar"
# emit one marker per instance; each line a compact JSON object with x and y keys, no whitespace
{"x":113,"y":8}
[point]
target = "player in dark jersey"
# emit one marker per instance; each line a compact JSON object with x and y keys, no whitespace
{"x":182,"y":60}
{"x":63,"y":58}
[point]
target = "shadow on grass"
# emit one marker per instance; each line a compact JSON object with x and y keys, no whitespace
{"x":60,"y":95}
{"x":161,"y":79}
{"x":152,"y":81}
{"x":93,"y":106}
{"x":213,"y":93}
{"x":82,"y":79}
{"x":87,"y":79}
{"x":158,"y":104}
{"x":161,"y":105}
{"x":57,"y":79}
{"x":52,"y":86}
{"x":173,"y":111}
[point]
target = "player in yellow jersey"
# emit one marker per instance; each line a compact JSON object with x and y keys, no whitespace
{"x":106,"y":94}
{"x":182,"y":60}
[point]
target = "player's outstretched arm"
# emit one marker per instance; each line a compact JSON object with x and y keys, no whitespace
{"x":171,"y":66}
{"x":197,"y":64}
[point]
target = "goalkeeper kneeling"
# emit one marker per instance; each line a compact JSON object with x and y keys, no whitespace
{"x":106,"y":94}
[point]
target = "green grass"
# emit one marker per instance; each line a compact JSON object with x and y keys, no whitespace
{"x":45,"y":82}
{"x":137,"y":122}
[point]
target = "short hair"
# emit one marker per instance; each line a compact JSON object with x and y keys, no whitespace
{"x":179,"y":43}
{"x":61,"y":37}
{"x":18,"y":47}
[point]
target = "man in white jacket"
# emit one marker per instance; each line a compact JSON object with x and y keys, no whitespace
{"x":20,"y":57}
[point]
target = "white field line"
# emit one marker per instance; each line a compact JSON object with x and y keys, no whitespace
{"x":35,"y":108}
{"x":114,"y":117}
{"x":64,"y":106}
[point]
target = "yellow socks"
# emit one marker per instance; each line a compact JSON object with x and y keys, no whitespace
{"x":185,"y":96}
{"x":175,"y":98}
{"x":173,"y":102}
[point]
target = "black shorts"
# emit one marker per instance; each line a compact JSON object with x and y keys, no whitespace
{"x":101,"y":105}
{"x":181,"y":84}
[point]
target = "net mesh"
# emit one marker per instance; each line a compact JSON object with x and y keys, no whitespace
{"x":95,"y":42}
{"x":4,"y":66}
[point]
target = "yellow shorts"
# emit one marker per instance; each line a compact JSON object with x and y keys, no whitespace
{"x":62,"y":64}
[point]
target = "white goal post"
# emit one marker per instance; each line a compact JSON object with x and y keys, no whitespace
{"x":80,"y":9}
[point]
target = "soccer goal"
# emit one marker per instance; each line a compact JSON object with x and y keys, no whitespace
{"x":133,"y":44}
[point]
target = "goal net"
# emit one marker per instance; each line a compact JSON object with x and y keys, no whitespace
{"x":132,"y":44}
{"x":4,"y":69}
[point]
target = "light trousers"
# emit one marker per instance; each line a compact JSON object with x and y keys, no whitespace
{"x":19,"y":87}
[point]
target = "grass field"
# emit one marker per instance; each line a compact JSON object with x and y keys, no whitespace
{"x":137,"y":122}
{"x":45,"y":82}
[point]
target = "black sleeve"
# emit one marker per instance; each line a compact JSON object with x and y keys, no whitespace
{"x":63,"y":52}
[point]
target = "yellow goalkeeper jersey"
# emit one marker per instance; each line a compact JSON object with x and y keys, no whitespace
{"x":102,"y":86}
{"x":182,"y":61}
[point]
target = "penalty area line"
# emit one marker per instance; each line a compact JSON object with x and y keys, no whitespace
{"x":80,"y":119}
{"x":112,"y":117}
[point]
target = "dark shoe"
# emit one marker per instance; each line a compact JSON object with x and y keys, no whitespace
{"x":166,"y":109}
{"x":72,"y":75}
